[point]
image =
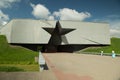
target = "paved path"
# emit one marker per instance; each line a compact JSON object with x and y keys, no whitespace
{"x":66,"y":66}
{"x":45,"y":75}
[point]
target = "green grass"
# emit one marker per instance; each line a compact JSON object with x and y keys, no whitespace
{"x":16,"y":58}
{"x":15,"y":55}
{"x":18,"y":67}
{"x":9,"y":69}
{"x":115,"y":45}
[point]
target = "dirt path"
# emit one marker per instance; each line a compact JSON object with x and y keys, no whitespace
{"x":68,"y":66}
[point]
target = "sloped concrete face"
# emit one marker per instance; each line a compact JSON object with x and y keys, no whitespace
{"x":54,"y":34}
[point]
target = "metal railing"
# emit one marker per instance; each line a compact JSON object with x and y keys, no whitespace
{"x":103,"y":54}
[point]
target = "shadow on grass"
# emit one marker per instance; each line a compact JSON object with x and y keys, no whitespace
{"x":10,"y":69}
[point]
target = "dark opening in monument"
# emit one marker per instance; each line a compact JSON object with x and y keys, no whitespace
{"x":56,"y":36}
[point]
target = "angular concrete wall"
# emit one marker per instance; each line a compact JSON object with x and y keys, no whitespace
{"x":26,"y":31}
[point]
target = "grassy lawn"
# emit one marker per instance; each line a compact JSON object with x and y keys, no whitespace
{"x":115,"y":45}
{"x":16,"y":57}
{"x":18,"y":67}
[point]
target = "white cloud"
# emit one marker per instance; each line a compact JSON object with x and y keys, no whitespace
{"x":71,"y":14}
{"x":51,"y":18}
{"x":40,"y":11}
{"x":115,"y":33}
{"x":7,"y":3}
{"x":3,"y":18}
{"x":115,"y":28}
{"x":114,"y":22}
{"x":113,"y":16}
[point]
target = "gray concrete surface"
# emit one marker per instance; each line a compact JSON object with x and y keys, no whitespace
{"x":94,"y":66}
{"x":44,"y":75}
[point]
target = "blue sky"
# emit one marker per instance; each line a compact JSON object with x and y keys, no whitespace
{"x":82,"y":10}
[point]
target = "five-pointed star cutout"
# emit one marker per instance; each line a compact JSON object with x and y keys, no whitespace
{"x":57,"y":34}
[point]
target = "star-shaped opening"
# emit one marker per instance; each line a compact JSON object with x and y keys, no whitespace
{"x":57,"y":34}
